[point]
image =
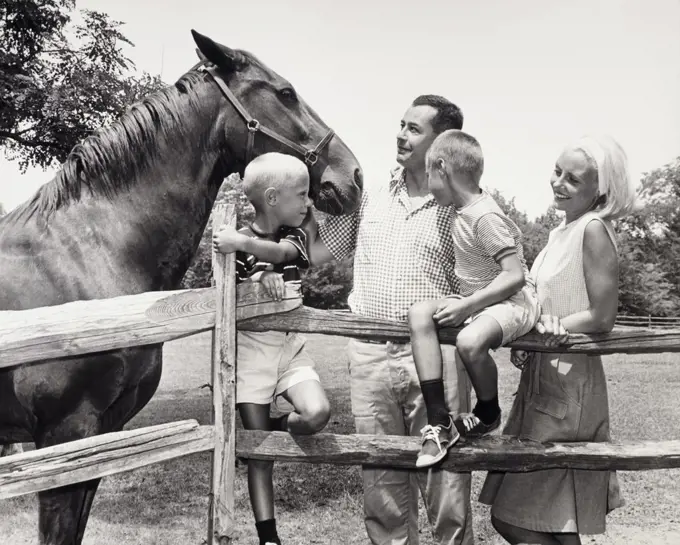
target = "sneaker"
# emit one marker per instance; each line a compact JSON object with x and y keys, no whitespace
{"x":436,"y":441}
{"x":468,"y":425}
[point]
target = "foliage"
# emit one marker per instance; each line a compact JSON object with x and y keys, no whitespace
{"x":534,"y":233}
{"x":649,"y":247}
{"x":60,"y":80}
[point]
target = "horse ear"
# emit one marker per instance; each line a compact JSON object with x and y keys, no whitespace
{"x":218,"y":54}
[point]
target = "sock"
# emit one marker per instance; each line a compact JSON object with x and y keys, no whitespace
{"x":280,"y":423}
{"x":266,"y":531}
{"x":487,"y":411}
{"x":435,"y":402}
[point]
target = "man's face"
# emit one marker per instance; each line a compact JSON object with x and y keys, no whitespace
{"x":415,"y":136}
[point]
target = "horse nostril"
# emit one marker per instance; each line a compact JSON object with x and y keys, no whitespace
{"x":359,"y":178}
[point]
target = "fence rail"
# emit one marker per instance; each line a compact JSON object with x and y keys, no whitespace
{"x":92,"y":326}
{"x":650,"y":322}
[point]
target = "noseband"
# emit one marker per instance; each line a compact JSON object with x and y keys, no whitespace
{"x":309,"y":155}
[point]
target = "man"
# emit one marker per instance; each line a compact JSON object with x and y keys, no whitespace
{"x":403,"y":254}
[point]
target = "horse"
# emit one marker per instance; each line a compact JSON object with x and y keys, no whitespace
{"x":125,"y":215}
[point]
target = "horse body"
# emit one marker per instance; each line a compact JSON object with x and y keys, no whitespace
{"x":125,"y":215}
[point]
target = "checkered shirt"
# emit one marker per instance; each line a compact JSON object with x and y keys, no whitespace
{"x":402,"y":255}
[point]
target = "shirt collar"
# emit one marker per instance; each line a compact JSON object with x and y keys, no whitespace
{"x":398,"y":179}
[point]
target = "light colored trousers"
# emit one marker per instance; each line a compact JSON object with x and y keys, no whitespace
{"x":386,"y":400}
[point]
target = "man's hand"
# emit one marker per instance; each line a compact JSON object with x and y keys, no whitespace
{"x":273,"y":283}
{"x":552,"y":330}
{"x":228,"y":240}
{"x":453,"y":311}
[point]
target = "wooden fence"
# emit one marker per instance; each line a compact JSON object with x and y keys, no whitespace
{"x":149,"y":318}
{"x":650,"y":322}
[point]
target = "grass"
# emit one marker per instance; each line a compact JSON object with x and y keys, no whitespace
{"x":322,"y":504}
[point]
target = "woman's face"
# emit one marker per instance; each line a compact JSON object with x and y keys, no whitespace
{"x":574,"y":183}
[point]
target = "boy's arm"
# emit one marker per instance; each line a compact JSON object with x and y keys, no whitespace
{"x":229,"y":240}
{"x":508,"y":282}
{"x":316,"y":248}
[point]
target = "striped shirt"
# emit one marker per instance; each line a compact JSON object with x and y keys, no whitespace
{"x":248,"y":264}
{"x":402,"y":254}
{"x":482,"y":234}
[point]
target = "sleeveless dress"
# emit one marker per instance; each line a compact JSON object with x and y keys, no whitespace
{"x":561,"y":397}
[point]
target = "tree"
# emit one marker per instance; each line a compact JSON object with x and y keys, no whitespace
{"x":649,"y":247}
{"x":59,"y":80}
{"x":534,"y":233}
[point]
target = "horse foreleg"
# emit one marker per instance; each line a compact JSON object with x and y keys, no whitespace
{"x":64,"y":511}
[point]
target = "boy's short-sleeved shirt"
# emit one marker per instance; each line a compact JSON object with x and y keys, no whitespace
{"x":482,"y":233}
{"x":248,"y":264}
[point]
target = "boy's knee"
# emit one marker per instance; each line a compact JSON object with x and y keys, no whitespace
{"x":467,"y":345}
{"x":420,"y":316}
{"x":317,"y":414}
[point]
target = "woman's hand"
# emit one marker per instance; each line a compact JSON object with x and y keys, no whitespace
{"x":552,"y":330}
{"x":273,"y":283}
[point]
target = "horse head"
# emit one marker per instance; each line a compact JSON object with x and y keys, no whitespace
{"x":273,"y":117}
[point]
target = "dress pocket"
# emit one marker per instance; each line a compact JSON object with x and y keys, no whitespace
{"x":550,"y":406}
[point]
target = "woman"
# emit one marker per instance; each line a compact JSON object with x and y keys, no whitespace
{"x":563,"y":397}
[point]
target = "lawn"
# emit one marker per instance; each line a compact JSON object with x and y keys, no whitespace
{"x":322,"y":504}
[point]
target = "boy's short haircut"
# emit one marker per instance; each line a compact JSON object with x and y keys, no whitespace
{"x":270,"y":170}
{"x":460,"y":153}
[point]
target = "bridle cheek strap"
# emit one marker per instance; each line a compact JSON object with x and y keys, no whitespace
{"x":310,"y":156}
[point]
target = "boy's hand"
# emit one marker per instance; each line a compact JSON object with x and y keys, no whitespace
{"x":552,"y":330}
{"x":452,"y":312}
{"x":228,"y":240}
{"x":273,"y":283}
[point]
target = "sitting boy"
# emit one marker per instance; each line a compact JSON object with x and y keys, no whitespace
{"x":497,"y":298}
{"x":271,"y":365}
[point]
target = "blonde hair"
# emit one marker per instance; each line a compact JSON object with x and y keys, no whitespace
{"x":613,"y":176}
{"x":271,"y":170}
{"x":460,"y":152}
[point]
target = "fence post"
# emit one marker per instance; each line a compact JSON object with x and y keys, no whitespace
{"x":221,"y":515}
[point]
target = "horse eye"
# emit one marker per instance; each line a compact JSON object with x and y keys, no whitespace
{"x":288,"y":94}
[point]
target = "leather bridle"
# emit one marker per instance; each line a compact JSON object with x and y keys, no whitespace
{"x":310,"y":155}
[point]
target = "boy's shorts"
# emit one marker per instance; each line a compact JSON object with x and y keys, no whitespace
{"x":268,"y":363}
{"x":516,"y":316}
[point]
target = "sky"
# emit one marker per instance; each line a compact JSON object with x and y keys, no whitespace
{"x":529,"y":75}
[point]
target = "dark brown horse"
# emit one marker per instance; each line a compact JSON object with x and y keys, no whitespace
{"x":125,"y":215}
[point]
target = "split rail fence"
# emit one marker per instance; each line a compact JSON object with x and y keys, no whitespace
{"x":84,"y":327}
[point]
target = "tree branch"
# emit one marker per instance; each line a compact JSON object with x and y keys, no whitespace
{"x":29,"y":143}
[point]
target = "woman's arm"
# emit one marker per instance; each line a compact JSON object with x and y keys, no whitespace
{"x":601,"y":270}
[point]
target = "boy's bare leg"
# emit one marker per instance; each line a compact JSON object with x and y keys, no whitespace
{"x":312,"y":409}
{"x":473,"y":345}
{"x":427,"y":353}
{"x":260,"y":485}
{"x":427,"y":356}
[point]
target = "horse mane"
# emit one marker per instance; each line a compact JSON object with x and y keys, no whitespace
{"x":113,"y":158}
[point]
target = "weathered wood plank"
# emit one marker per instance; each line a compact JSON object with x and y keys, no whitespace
{"x":221,"y":524}
{"x":83,"y":327}
{"x":309,"y":320}
{"x":99,"y":456}
{"x":496,"y":453}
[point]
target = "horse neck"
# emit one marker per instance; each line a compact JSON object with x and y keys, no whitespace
{"x":163,"y":214}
